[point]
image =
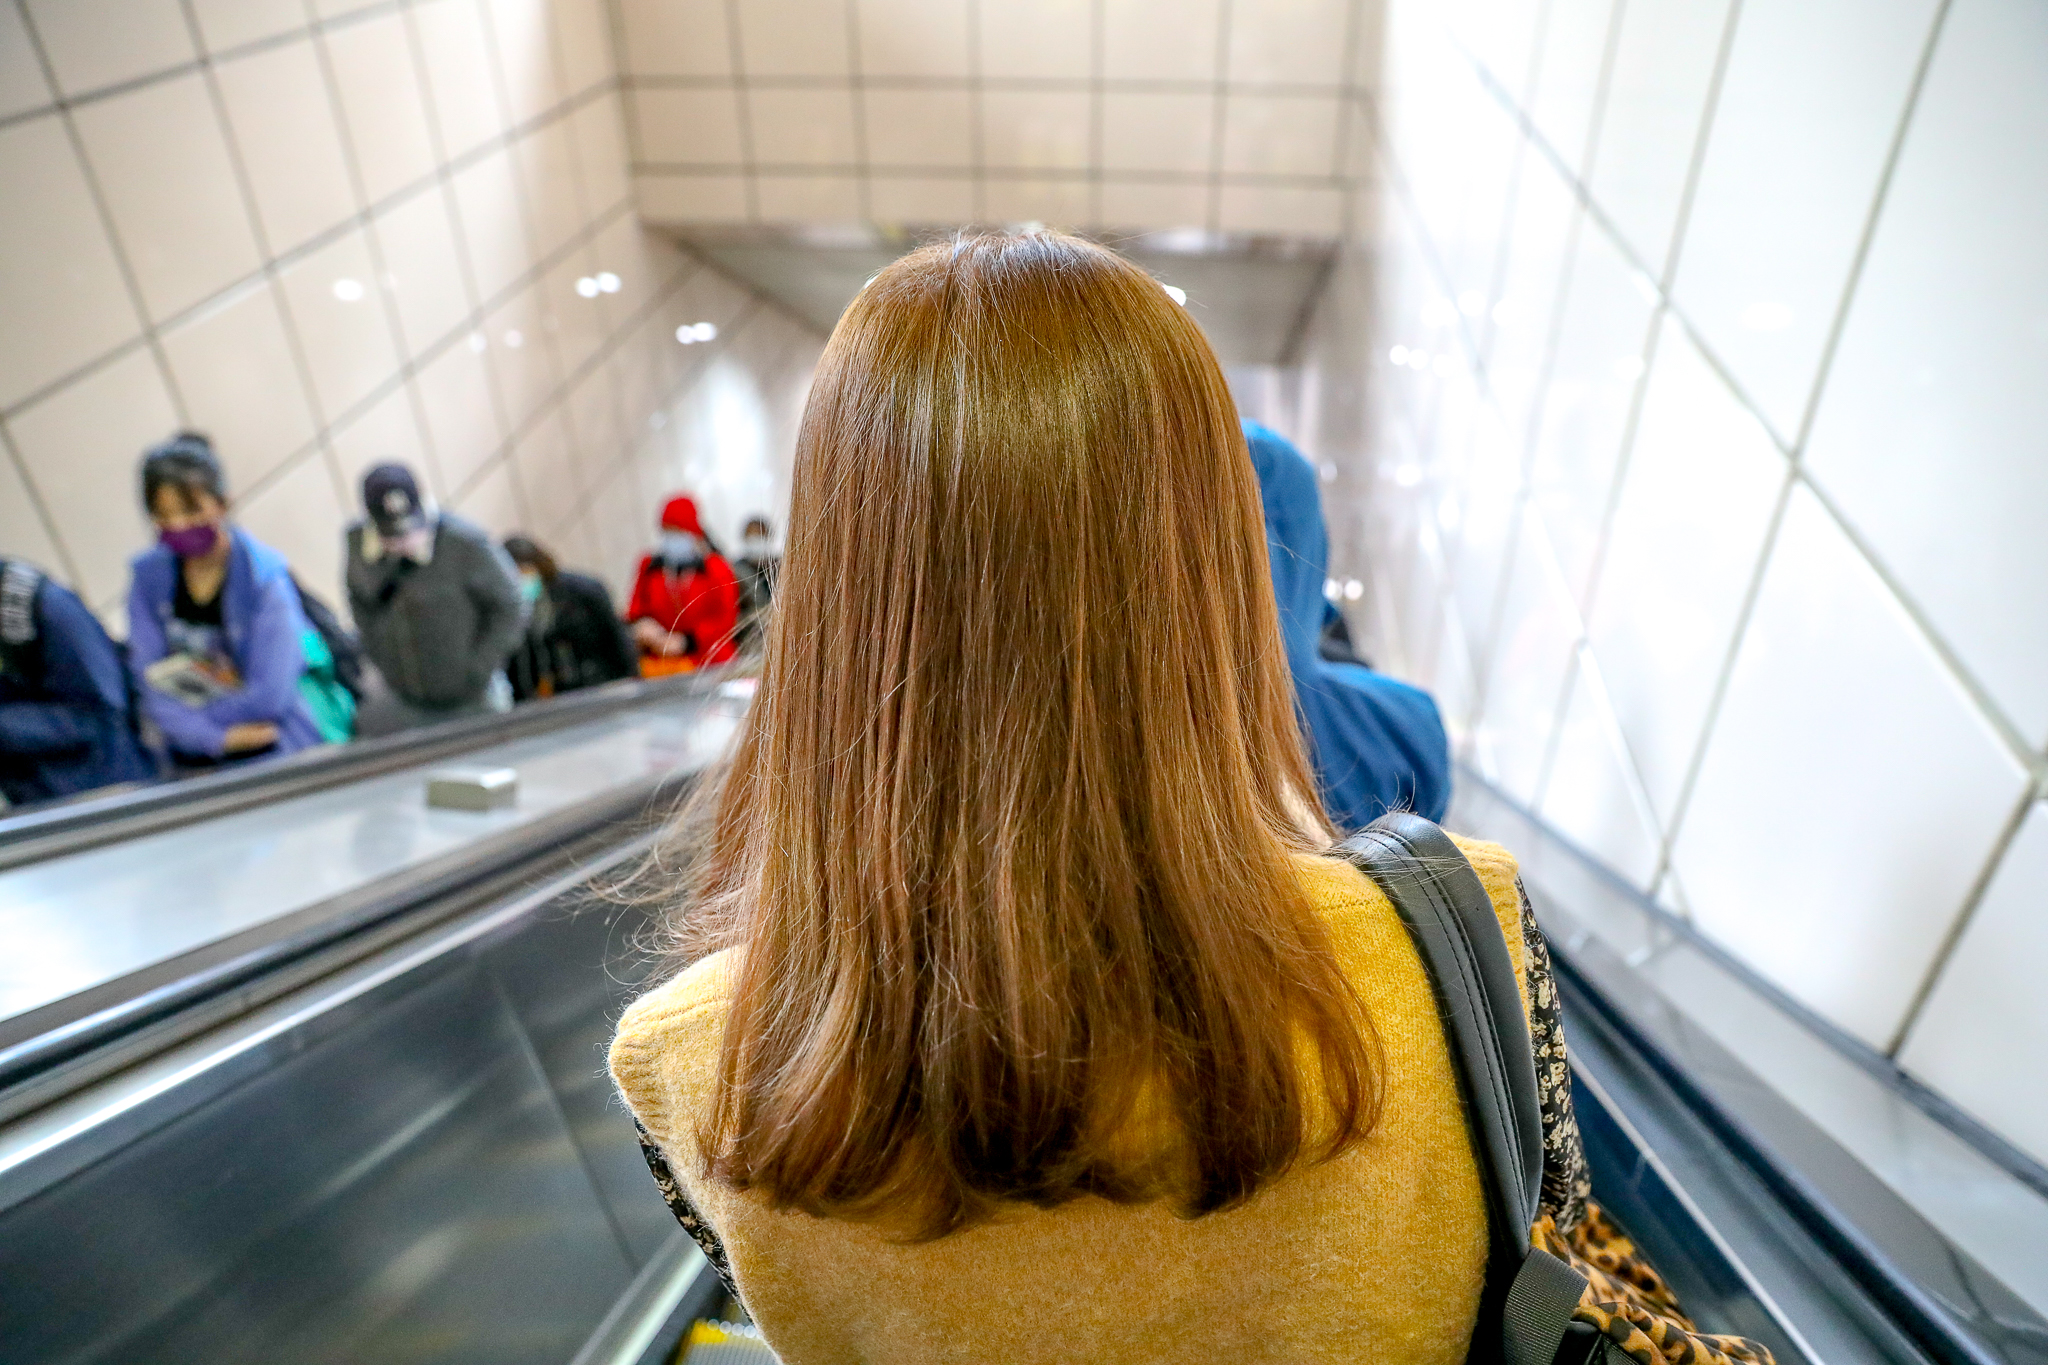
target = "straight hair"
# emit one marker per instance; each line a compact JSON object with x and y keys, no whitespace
{"x":1008,"y":853}
{"x":186,"y":462}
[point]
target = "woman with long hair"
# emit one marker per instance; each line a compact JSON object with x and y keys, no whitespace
{"x":1025,"y":1018}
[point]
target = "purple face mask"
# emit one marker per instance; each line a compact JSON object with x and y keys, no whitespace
{"x":191,"y":542}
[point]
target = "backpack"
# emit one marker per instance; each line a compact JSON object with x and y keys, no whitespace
{"x":342,"y":647}
{"x":332,"y":705}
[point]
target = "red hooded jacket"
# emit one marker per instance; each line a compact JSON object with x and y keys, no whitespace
{"x":704,"y":605}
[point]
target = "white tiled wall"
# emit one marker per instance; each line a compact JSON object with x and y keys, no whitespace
{"x":1132,"y":114}
{"x":1702,"y":473}
{"x":338,"y":234}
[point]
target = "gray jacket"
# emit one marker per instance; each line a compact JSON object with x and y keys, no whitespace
{"x":437,"y":631}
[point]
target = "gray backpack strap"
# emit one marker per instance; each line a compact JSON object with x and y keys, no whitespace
{"x":1530,"y":1295}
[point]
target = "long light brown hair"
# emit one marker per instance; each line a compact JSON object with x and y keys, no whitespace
{"x":1008,"y":849}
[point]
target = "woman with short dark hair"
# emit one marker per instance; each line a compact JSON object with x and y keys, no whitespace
{"x":573,"y":636}
{"x":215,"y":633}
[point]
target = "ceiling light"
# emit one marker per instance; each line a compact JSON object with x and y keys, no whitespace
{"x":587,"y":287}
{"x":348,"y":291}
{"x":608,"y":282}
{"x":1177,"y":294}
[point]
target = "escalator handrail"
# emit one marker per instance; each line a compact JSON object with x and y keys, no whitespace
{"x":49,"y":832}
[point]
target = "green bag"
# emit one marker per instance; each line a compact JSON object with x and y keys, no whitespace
{"x":333,"y":706}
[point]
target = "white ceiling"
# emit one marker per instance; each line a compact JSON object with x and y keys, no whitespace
{"x":1232,"y":116}
{"x":1251,"y":295}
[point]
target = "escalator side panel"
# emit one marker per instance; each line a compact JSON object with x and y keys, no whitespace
{"x":570,"y":1024}
{"x":403,"y":1186}
{"x":1737,"y":1258}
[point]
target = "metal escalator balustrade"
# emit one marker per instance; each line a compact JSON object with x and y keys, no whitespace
{"x":119,"y":940}
{"x":55,"y":829}
{"x":1779,"y":1150}
{"x":416,"y":1156}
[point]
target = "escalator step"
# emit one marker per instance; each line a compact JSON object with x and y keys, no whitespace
{"x":725,"y":1343}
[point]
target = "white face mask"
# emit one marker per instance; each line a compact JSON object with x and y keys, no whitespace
{"x":680,"y":550}
{"x":757,"y":547}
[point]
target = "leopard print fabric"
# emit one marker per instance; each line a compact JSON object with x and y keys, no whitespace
{"x":1567,"y":1186}
{"x":686,"y":1213}
{"x":1625,"y":1298}
{"x":1627,"y":1301}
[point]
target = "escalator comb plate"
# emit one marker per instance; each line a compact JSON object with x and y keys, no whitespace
{"x":724,"y":1343}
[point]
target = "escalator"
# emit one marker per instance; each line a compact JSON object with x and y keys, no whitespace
{"x":376,"y":1125}
{"x":351,"y":1105}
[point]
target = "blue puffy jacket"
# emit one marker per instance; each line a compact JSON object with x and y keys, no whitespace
{"x":64,"y":721}
{"x":1378,"y":744}
{"x":264,"y":632}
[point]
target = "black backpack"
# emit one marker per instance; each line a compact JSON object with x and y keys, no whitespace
{"x":341,"y":642}
{"x":1525,"y":1310}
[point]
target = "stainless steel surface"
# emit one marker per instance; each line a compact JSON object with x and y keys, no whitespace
{"x":676,"y":1285}
{"x":73,"y":922}
{"x":416,"y":1160}
{"x":1982,"y":1208}
{"x":108,"y":816}
{"x":1935,"y":1228}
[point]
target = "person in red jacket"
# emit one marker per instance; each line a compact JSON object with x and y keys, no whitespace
{"x":686,"y":602}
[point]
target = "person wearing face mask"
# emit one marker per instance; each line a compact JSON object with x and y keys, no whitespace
{"x":685,"y":607}
{"x":216,"y":639}
{"x":437,"y":605}
{"x":573,"y":637}
{"x":757,"y":566}
{"x":65,"y":725}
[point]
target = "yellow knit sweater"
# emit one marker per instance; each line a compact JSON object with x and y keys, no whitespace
{"x":1374,"y":1257}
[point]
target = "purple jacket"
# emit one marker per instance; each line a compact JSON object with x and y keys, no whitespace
{"x":263,"y":628}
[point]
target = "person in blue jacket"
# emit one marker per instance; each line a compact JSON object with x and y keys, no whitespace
{"x":215,"y":634}
{"x":65,"y":726}
{"x":1378,"y":744}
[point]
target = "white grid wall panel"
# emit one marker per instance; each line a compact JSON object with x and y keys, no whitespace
{"x":344,"y":235}
{"x":1628,"y":258}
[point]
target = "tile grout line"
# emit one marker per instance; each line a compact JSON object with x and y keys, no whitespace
{"x":558,"y":396}
{"x":857,"y":96}
{"x":280,"y":307}
{"x":1696,"y":162}
{"x":743,"y":111}
{"x":1218,"y":112}
{"x":1054,"y":85}
{"x":1724,"y":677}
{"x":380,"y":273}
{"x":1027,"y":174}
{"x":1098,"y":46}
{"x":977,"y":144}
{"x":1980,"y":696}
{"x":1646,"y":351}
{"x":276,"y":267}
{"x":165,"y":75}
{"x":388,"y":385}
{"x":1959,"y":925}
{"x":132,"y":282}
{"x":42,"y":510}
{"x":443,"y":189}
